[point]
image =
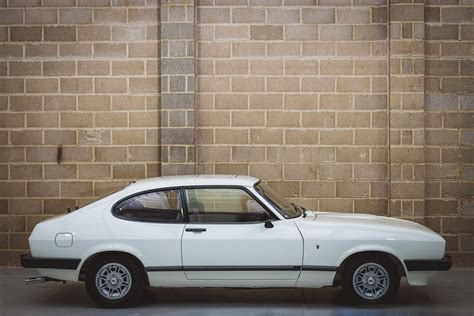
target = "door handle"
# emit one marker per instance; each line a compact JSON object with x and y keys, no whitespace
{"x":196,"y":230}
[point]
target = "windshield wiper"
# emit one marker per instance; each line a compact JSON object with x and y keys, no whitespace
{"x":298,"y":207}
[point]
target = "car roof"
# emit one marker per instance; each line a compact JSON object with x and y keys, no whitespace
{"x":193,"y":180}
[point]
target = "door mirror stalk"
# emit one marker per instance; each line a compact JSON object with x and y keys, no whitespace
{"x":268,"y":224}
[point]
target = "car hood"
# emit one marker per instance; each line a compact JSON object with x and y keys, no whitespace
{"x":363,"y":222}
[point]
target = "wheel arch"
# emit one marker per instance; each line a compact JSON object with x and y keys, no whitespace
{"x":388,"y":255}
{"x":97,"y":255}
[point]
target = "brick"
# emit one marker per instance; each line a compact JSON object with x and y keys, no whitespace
{"x":301,"y":137}
{"x":110,"y":85}
{"x":231,"y":136}
{"x":24,"y":33}
{"x":59,"y":68}
{"x":300,"y":172}
{"x":11,"y":16}
{"x":75,"y":16}
{"x":110,"y":154}
{"x":63,"y":171}
{"x":12,"y":119}
{"x":248,"y":15}
{"x":352,"y":189}
{"x":25,"y":68}
{"x":42,"y":120}
{"x":232,"y":32}
{"x":93,"y":67}
{"x":128,"y":33}
{"x":266,"y":32}
{"x":144,"y":85}
{"x":41,"y":85}
{"x":213,"y":15}
{"x":353,"y":15}
{"x":110,"y":50}
{"x":142,"y":16}
{"x":25,"y":206}
{"x":281,"y":49}
{"x":248,"y":84}
{"x":110,"y":15}
{"x":370,"y":32}
{"x":457,"y":15}
{"x":248,"y":118}
{"x":71,"y":119}
{"x":228,"y":101}
{"x":318,"y":49}
{"x":93,"y":33}
{"x":128,"y":102}
{"x":335,"y":101}
{"x":177,"y":31}
{"x":55,"y":137}
{"x":266,"y":101}
{"x":214,"y":154}
{"x":25,"y":172}
{"x":129,"y":171}
{"x":244,"y":49}
{"x":76,"y":189}
{"x":442,"y":32}
{"x":345,"y":154}
{"x":335,"y":32}
{"x":75,"y":50}
{"x":59,"y":3}
{"x":318,"y":84}
{"x":283,"y":84}
{"x":59,"y":33}
{"x":407,"y":13}
{"x":336,"y":67}
{"x":283,"y":119}
{"x":339,"y":137}
{"x":127,"y":68}
{"x":301,"y":32}
{"x":111,"y":119}
{"x":76,"y":85}
{"x":282,"y":16}
{"x":301,"y":102}
{"x":317,"y":16}
{"x":266,"y":136}
{"x":143,"y":153}
{"x":59,"y":103}
{"x":42,"y":189}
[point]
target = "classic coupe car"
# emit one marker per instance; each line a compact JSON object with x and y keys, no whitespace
{"x":227,"y":231}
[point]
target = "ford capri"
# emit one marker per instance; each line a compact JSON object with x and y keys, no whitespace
{"x":227,"y":231}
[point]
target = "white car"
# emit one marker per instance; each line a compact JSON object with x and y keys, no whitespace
{"x":227,"y":231}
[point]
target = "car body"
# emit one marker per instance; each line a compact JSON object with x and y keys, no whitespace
{"x":226,"y":231}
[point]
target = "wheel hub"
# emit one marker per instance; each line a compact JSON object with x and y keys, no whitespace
{"x":113,"y":281}
{"x":371,"y":281}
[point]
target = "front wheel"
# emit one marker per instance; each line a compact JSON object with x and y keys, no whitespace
{"x":115,"y":282}
{"x":370,"y":280}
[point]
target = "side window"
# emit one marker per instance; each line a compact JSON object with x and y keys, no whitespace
{"x":223,"y":205}
{"x":157,"y":206}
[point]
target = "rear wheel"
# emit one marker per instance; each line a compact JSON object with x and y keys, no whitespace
{"x":115,"y":281}
{"x":370,"y":279}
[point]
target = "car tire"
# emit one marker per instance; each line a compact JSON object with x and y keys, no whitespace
{"x":370,"y":279}
{"x":115,"y":281}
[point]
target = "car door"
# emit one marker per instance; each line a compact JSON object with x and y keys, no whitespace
{"x":226,"y":238}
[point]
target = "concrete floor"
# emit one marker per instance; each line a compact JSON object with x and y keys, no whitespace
{"x":449,"y":293}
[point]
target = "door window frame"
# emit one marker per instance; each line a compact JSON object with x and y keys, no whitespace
{"x":272,"y":215}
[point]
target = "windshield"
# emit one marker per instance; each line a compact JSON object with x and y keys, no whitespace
{"x":287,"y":209}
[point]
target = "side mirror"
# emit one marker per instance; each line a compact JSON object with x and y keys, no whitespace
{"x":268,"y":224}
{"x":265,"y":217}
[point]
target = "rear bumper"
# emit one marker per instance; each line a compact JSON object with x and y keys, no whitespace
{"x":442,"y":264}
{"x":27,"y":261}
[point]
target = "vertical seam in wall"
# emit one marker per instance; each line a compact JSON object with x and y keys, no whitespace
{"x":160,"y":78}
{"x":195,"y":87}
{"x":389,"y":160}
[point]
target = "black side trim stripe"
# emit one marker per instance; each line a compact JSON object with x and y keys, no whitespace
{"x":240,"y":268}
{"x":319,"y":268}
{"x":27,"y":261}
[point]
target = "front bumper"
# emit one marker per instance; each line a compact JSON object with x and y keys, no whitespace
{"x":442,"y":264}
{"x":27,"y":261}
